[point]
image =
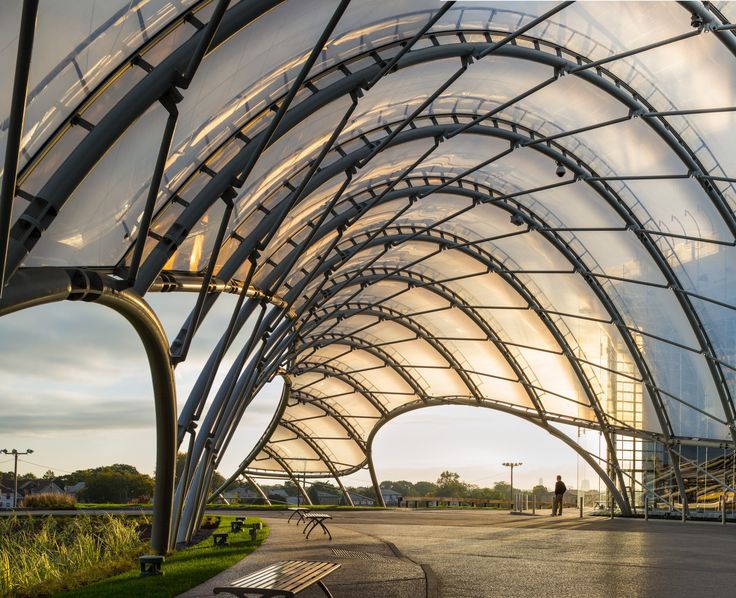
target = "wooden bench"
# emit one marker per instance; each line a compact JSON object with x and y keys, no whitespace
{"x":286,"y":578}
{"x":220,"y":538}
{"x":297,"y":512}
{"x":313,"y":520}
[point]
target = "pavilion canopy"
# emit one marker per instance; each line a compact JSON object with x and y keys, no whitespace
{"x":527,"y":206}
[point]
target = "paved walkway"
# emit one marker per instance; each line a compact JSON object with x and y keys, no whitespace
{"x":478,"y":554}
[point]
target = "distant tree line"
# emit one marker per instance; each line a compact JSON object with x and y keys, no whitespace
{"x":448,"y":484}
{"x":118,"y":483}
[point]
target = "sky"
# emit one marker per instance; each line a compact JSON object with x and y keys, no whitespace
{"x":75,"y":387}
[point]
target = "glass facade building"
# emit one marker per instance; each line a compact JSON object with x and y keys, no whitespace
{"x":525,"y":206}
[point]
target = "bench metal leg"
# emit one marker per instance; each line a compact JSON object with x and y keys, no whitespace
{"x":324,"y":589}
{"x":307,"y":526}
{"x":322,"y":525}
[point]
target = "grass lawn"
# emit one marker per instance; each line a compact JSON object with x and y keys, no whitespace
{"x":182,"y":570}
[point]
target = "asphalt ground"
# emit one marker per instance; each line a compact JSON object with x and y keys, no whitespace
{"x":484,"y":553}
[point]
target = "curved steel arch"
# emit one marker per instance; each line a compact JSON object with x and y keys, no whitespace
{"x":312,"y":443}
{"x":354,"y":343}
{"x":48,"y":285}
{"x":621,"y":499}
{"x":353,"y":82}
{"x":283,"y":334}
{"x":454,"y":299}
{"x":630,"y":219}
{"x":712,"y":365}
{"x":603,"y":424}
{"x":320,"y":402}
{"x":50,"y":199}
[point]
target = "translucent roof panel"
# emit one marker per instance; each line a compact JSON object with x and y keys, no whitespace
{"x":438,"y":213}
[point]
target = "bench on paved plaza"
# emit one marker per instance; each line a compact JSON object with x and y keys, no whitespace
{"x":297,"y":512}
{"x":313,"y":520}
{"x":151,"y":564}
{"x":286,"y":578}
{"x":220,"y":539}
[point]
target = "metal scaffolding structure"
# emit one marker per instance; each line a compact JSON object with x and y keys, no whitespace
{"x":528,"y":207}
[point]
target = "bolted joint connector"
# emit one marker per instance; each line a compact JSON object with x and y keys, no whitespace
{"x":86,"y":285}
{"x":170,"y":99}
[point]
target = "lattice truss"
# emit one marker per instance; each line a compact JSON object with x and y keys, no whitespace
{"x":522,"y":206}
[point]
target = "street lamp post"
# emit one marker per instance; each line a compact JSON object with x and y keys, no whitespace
{"x":15,"y":454}
{"x":512,"y":465}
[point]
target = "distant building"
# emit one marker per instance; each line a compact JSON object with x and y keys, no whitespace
{"x":39,"y":487}
{"x":390,"y":497}
{"x":75,"y":489}
{"x":361,"y":501}
{"x":324,"y":498}
{"x":279,"y":496}
{"x":6,"y":497}
{"x":241,"y":494}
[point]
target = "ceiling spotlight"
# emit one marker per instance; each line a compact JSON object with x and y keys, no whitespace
{"x":517,"y":219}
{"x":560,"y":171}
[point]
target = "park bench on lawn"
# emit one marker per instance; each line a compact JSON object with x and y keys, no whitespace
{"x":313,"y":520}
{"x":286,"y":578}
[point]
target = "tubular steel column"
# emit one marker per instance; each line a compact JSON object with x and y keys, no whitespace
{"x":285,"y":394}
{"x":258,"y":489}
{"x":374,"y":479}
{"x":134,"y":309}
{"x":48,"y":285}
{"x":15,"y":127}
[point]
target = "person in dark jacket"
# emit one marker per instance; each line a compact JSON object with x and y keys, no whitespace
{"x":560,"y":490}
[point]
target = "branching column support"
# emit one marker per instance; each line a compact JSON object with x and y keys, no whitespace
{"x":41,"y":285}
{"x":15,"y":127}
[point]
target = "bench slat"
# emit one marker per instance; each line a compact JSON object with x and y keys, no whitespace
{"x":267,"y":575}
{"x":286,"y":576}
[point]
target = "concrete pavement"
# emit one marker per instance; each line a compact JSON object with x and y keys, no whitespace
{"x":471,"y":553}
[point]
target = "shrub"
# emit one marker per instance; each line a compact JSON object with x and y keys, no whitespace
{"x":210,"y":522}
{"x":49,"y":500}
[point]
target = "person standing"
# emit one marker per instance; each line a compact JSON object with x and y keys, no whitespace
{"x":560,"y":490}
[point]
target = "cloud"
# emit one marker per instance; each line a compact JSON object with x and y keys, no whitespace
{"x":53,"y":414}
{"x":69,"y":342}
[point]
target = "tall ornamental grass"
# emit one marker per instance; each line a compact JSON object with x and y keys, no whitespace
{"x":49,"y":500}
{"x":42,"y":556}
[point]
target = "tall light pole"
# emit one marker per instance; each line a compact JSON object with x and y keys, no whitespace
{"x":512,"y":465}
{"x":15,"y":454}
